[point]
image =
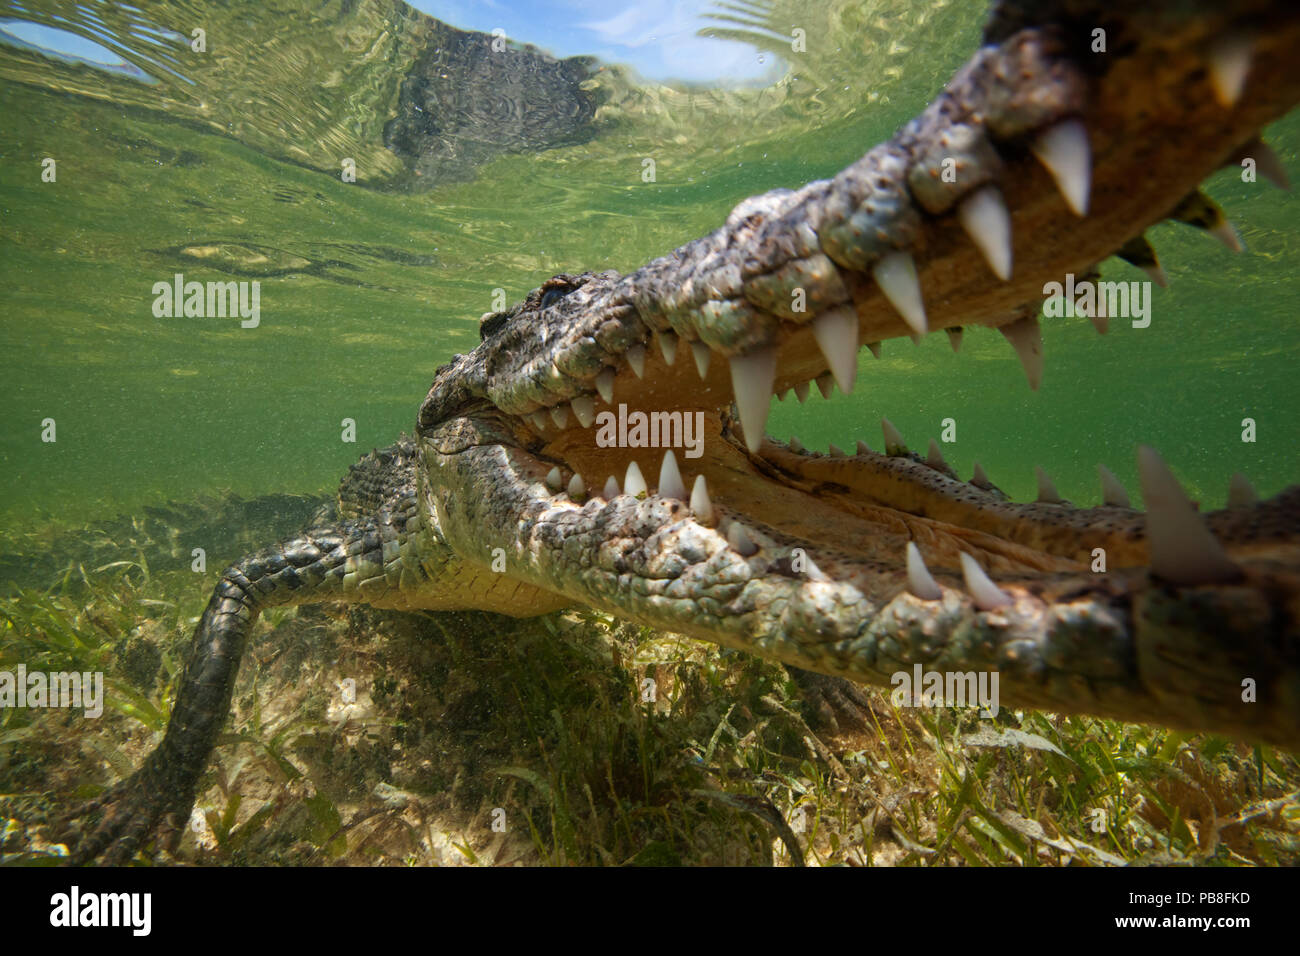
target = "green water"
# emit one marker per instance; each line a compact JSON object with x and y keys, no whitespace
{"x":367,"y":287}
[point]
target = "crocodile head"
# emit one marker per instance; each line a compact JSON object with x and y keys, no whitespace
{"x":1039,"y":159}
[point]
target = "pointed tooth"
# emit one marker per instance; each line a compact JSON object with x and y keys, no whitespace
{"x":1112,"y":492}
{"x":894,"y":444}
{"x":605,"y":385}
{"x":896,"y":276}
{"x":700,"y":351}
{"x":980,"y":479}
{"x":700,"y":503}
{"x":916,"y":339}
{"x":1241,"y":493}
{"x":954,"y":338}
{"x":611,"y":488}
{"x":919,"y":580}
{"x":796,"y":445}
{"x":634,"y":481}
{"x":538,"y":418}
{"x":836,"y":332}
{"x":1139,"y":252}
{"x":825,"y":383}
{"x":577,"y":487}
{"x":668,"y":347}
{"x":986,"y":595}
{"x":1183,"y":549}
{"x":739,"y":539}
{"x":670,"y":479}
{"x":935,"y":458}
{"x":584,"y":410}
{"x":864,"y":448}
{"x":553,"y":479}
{"x":1229,"y":63}
{"x":1199,"y":210}
{"x":1226,"y":234}
{"x":783,"y":395}
{"x":752,"y":376}
{"x":560,"y":415}
{"x":1027,"y":339}
{"x":835,"y":450}
{"x":874,"y":348}
{"x":1157,"y":275}
{"x":984,"y":216}
{"x":1269,"y":166}
{"x":812,"y":572}
{"x":801,"y":392}
{"x":636,"y":359}
{"x":1046,"y":489}
{"x":1064,"y":150}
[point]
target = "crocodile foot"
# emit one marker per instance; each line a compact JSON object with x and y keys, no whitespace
{"x":132,"y":811}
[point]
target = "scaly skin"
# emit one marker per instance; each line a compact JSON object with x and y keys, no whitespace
{"x":803,"y":557}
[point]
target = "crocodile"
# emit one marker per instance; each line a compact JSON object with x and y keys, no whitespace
{"x":1040,"y":158}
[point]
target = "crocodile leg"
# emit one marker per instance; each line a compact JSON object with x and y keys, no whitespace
{"x":323,"y":564}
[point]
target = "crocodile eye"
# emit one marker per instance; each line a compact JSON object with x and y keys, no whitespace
{"x":551,"y":296}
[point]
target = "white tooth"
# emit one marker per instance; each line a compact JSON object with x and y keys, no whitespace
{"x":1027,"y":339}
{"x":1229,"y":63}
{"x":560,"y":415}
{"x":701,"y":353}
{"x":875,"y":348}
{"x":670,"y":479}
{"x":1064,"y":150}
{"x":979,"y":479}
{"x":916,"y":339}
{"x":825,"y":384}
{"x":634,"y":482}
{"x":987,"y":595}
{"x":584,"y":410}
{"x":700,"y":503}
{"x":812,"y":572}
{"x":954,"y":339}
{"x":605,"y":385}
{"x":1183,"y":550}
{"x":739,"y":539}
{"x":919,"y":580}
{"x":1227,"y":235}
{"x":1112,"y":492}
{"x":864,"y":448}
{"x":668,"y":347}
{"x":783,"y":396}
{"x":935,"y":457}
{"x":611,"y":488}
{"x":1157,"y":275}
{"x":985,"y":218}
{"x":801,"y":392}
{"x":538,"y":419}
{"x":835,"y":450}
{"x":751,"y":382}
{"x":894,"y":444}
{"x":1046,"y":490}
{"x":796,"y":445}
{"x":896,"y":276}
{"x":1241,"y":493}
{"x":636,"y":359}
{"x":553,"y":479}
{"x":1269,"y":166}
{"x":577,"y":487}
{"x":836,"y":332}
